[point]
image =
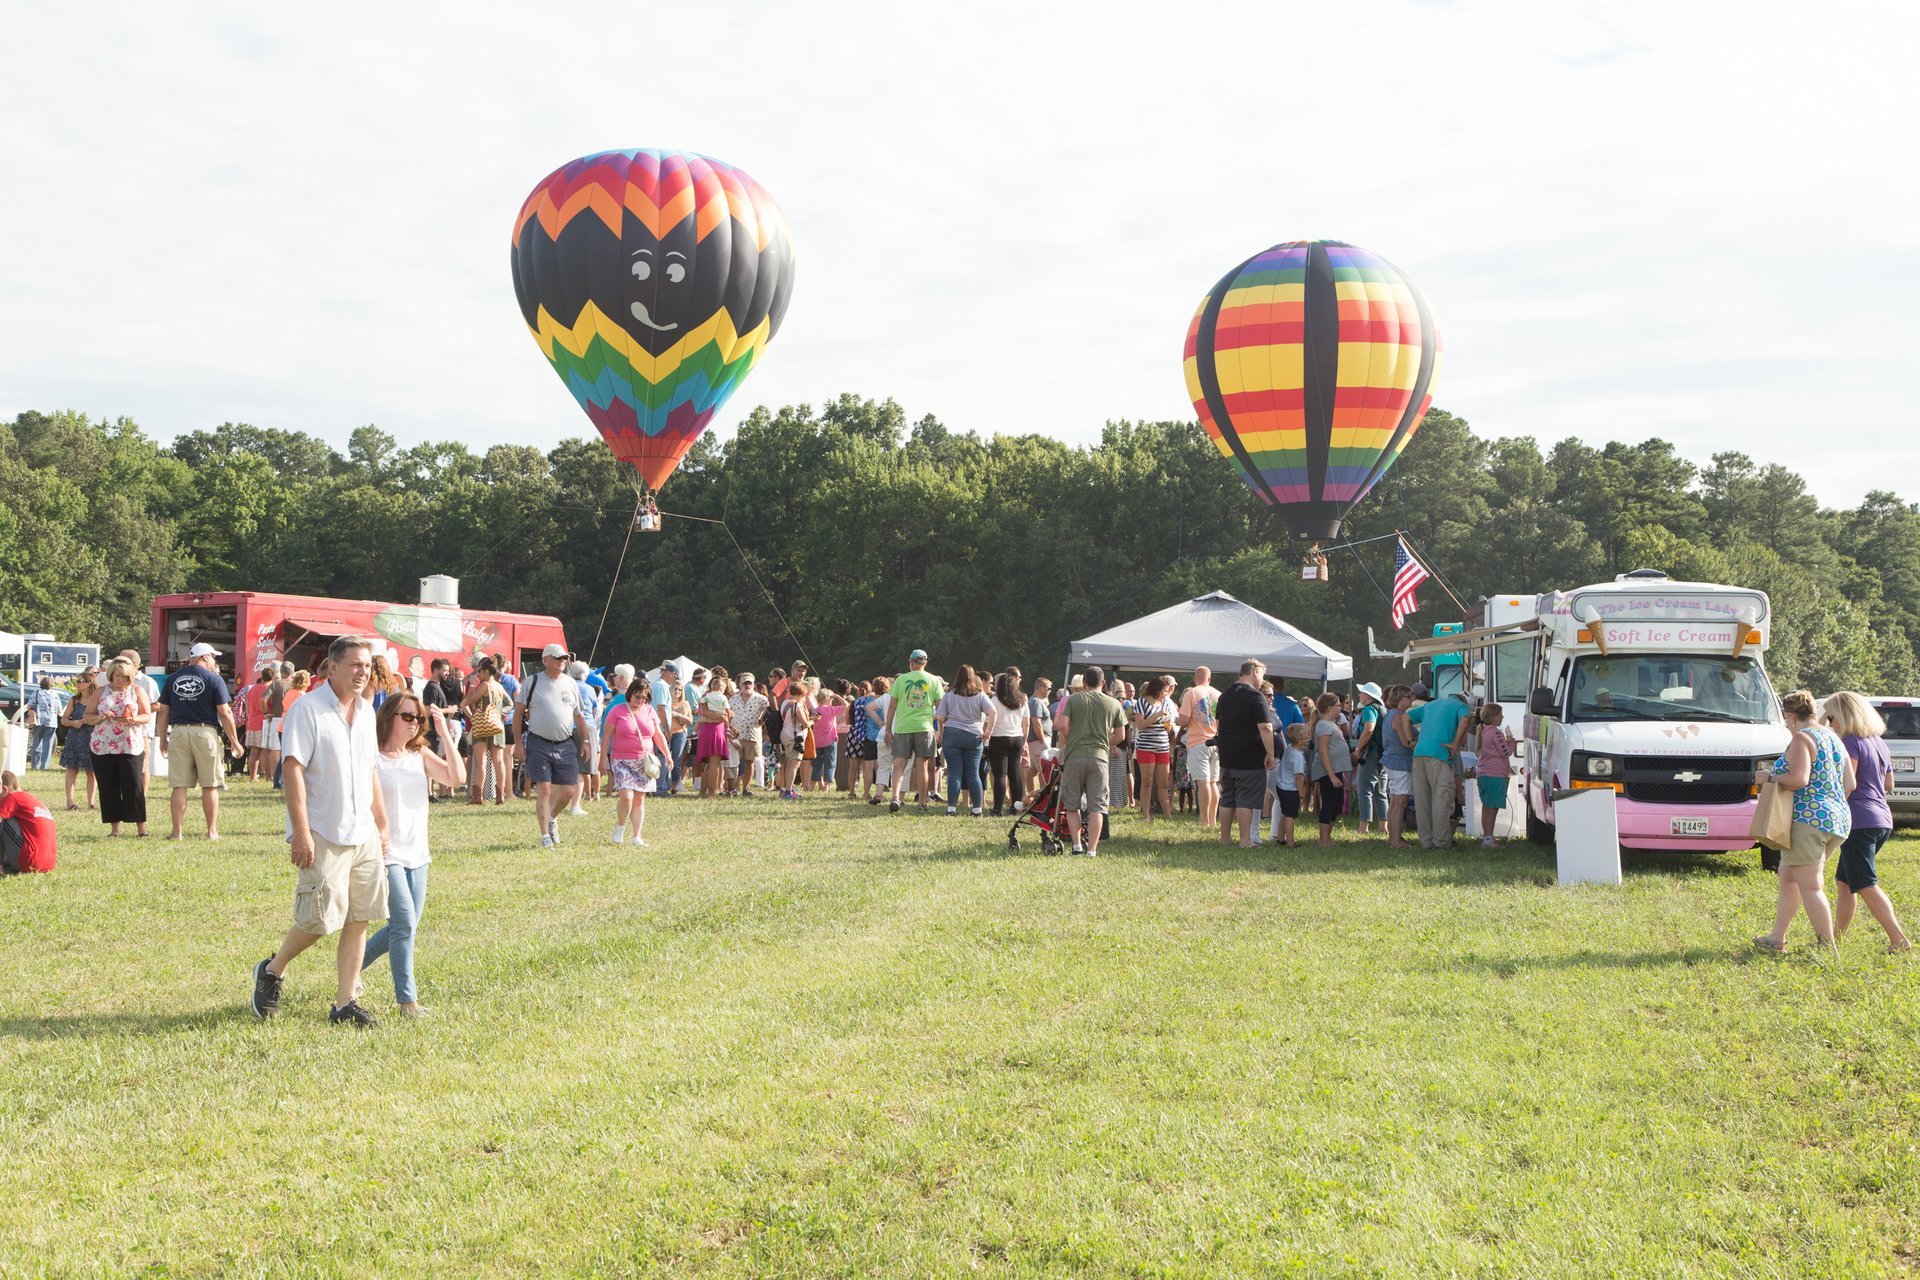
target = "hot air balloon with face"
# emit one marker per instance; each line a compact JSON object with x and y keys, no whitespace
{"x":1310,"y":365}
{"x":652,"y":281}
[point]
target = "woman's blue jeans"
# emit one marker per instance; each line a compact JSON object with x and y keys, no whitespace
{"x":677,"y":749}
{"x":962,"y":750}
{"x":406,"y":903}
{"x":825,"y":760}
{"x":1370,"y":792}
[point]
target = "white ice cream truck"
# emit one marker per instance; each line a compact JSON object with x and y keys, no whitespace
{"x":1652,"y":689}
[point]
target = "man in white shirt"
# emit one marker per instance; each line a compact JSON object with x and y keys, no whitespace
{"x":336,"y":829}
{"x":553,"y":741}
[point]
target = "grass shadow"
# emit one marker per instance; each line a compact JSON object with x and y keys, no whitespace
{"x":1466,"y":862}
{"x":68,"y":1025}
{"x":1686,"y":957}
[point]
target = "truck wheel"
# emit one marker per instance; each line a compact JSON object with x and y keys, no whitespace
{"x":1538,"y":832}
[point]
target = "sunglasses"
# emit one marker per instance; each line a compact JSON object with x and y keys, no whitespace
{"x":409,"y":716}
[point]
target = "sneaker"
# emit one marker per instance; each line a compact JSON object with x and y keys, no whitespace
{"x":266,"y":990}
{"x":951,"y":811}
{"x":637,"y":843}
{"x":1487,"y":842}
{"x":1019,"y":806}
{"x":577,"y":811}
{"x":1078,"y":848}
{"x":546,"y":842}
{"x":619,"y":835}
{"x":893,"y":806}
{"x":553,"y":830}
{"x":976,"y":813}
{"x":351,"y":1012}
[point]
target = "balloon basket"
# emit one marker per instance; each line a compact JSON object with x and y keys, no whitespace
{"x":646,"y":512}
{"x":1313,"y":566}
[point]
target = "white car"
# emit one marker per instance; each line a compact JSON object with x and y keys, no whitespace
{"x":1903,"y":744}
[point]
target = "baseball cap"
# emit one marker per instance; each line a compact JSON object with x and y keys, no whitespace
{"x":203,"y":650}
{"x":554,"y":651}
{"x":918,"y":655}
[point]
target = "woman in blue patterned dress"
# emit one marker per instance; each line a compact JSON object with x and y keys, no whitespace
{"x":1817,"y":769}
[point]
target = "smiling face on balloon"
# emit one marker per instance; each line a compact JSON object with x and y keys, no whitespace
{"x":672,"y":284}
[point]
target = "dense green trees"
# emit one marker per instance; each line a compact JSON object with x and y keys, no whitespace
{"x":871,"y":535}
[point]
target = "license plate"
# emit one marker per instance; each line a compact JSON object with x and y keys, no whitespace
{"x":1903,"y":764}
{"x":1688,"y":826}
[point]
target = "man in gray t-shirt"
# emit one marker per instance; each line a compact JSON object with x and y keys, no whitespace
{"x":553,"y":739}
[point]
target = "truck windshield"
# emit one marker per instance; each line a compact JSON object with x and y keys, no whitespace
{"x":1672,"y":686}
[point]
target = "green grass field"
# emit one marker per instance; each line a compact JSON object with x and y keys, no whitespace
{"x":814,"y":1040}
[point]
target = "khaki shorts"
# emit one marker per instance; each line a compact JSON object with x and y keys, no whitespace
{"x":1203,"y":762}
{"x":1083,"y":785}
{"x":194,"y":756}
{"x":345,"y":883}
{"x":1811,"y":846}
{"x":914,"y":746}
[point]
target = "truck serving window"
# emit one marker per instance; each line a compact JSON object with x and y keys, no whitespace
{"x":1670,"y":686}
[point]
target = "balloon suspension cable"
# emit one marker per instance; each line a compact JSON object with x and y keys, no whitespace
{"x":748,"y":561}
{"x":619,"y":565}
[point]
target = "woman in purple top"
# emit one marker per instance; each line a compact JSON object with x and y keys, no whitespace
{"x":1862,"y":733}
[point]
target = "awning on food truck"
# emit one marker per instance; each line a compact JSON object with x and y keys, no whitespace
{"x":1217,"y":631}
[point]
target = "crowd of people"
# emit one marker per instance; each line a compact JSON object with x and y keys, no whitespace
{"x":361,"y":754}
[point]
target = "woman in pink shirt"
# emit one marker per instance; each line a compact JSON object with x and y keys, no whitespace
{"x":829,"y":719}
{"x":627,"y":747}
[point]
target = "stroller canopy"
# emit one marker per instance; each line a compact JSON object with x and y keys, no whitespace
{"x":1217,"y":631}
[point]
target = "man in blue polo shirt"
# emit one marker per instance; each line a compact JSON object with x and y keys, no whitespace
{"x":193,"y":713}
{"x":1443,"y":726}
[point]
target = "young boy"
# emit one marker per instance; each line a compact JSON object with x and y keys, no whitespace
{"x":1286,"y":790}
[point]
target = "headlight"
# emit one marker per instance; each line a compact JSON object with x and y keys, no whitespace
{"x":1595,"y":766}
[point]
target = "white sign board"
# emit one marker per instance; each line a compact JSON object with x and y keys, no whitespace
{"x":1587,"y":838}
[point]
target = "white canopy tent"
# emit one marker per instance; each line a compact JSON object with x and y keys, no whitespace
{"x":685,"y":665}
{"x":1217,"y":631}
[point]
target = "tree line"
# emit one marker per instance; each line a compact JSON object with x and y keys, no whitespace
{"x":866,"y":535}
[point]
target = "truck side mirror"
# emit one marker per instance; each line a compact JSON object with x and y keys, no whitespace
{"x":1541,"y":704}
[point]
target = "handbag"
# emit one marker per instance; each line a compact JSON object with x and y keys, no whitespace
{"x":486,"y":721}
{"x":1773,"y":818}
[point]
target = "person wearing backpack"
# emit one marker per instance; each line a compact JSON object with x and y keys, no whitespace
{"x":1369,"y":780}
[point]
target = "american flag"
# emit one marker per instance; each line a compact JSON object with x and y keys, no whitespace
{"x":1408,"y":573}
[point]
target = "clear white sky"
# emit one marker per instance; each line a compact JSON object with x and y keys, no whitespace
{"x":1689,"y":220}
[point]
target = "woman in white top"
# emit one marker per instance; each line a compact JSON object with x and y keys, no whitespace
{"x":1011,"y":720}
{"x":404,"y":768}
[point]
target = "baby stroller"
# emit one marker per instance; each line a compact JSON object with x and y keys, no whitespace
{"x":1043,"y":810}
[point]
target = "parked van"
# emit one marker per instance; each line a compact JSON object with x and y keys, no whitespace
{"x":1903,"y":744}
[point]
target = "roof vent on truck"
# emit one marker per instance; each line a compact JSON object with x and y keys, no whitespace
{"x":1644,"y":575}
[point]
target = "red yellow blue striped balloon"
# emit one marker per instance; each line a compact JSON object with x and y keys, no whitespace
{"x":652,"y":280}
{"x":1310,"y":365}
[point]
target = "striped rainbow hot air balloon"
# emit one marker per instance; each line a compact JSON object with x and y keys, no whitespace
{"x":1311,"y":364}
{"x":652,"y":280}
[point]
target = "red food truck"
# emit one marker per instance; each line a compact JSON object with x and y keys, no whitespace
{"x":253,"y":628}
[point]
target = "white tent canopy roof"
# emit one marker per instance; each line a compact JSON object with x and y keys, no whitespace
{"x":687,"y":666}
{"x":1217,"y":631}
